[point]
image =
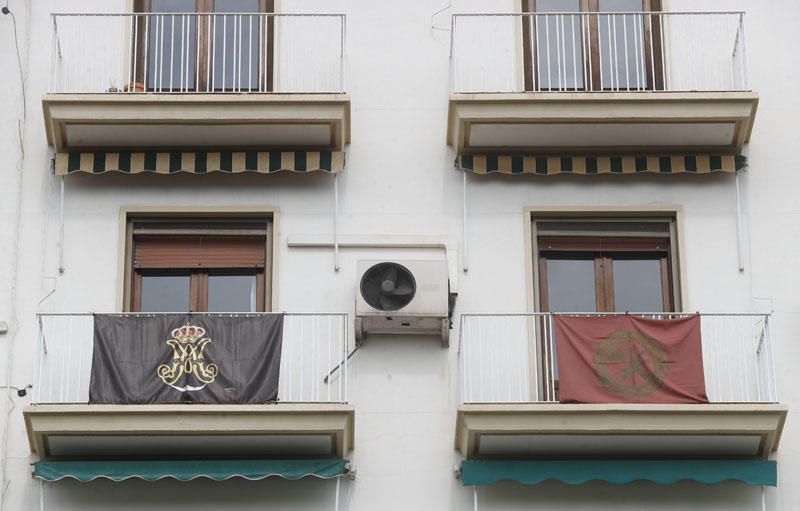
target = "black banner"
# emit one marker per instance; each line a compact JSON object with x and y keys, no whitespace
{"x":185,"y":358}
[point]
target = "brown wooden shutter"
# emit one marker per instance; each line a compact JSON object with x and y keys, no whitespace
{"x":186,"y":251}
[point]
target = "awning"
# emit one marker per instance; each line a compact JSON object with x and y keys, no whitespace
{"x":611,"y":164}
{"x":753,"y":472}
{"x":186,"y":470}
{"x":198,"y":162}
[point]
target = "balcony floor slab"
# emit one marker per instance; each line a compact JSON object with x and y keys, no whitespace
{"x":285,"y":430}
{"x":601,"y":122}
{"x":547,"y":430}
{"x":195,"y":120}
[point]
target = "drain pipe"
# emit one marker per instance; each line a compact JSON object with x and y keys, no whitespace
{"x":336,"y":222}
{"x":336,"y":502}
{"x":465,"y":222}
{"x":738,"y":224}
{"x":60,"y":227}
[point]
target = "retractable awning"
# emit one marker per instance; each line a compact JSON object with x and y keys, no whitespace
{"x":490,"y":163}
{"x":752,"y":472}
{"x":198,"y":162}
{"x":186,"y":470}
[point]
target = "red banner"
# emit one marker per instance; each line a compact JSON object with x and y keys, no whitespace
{"x":628,"y":359}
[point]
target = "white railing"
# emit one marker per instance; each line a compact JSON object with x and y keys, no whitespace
{"x":311,"y":370}
{"x":197,"y":52}
{"x":598,"y":52}
{"x":510,"y":358}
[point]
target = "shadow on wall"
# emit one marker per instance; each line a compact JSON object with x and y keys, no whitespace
{"x":597,"y":496}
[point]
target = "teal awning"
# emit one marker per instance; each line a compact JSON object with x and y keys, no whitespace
{"x":754,"y":472}
{"x":185,"y":470}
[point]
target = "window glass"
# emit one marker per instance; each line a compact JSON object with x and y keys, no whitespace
{"x":236,"y":49}
{"x":165,"y":293}
{"x":231,"y":293}
{"x":637,"y":285}
{"x":571,"y":285}
{"x":621,"y":41}
{"x":171,"y":41}
{"x":559,"y":51}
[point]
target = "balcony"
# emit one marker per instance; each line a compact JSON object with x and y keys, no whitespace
{"x":198,"y":81}
{"x":600,"y":83}
{"x":509,"y":407}
{"x":310,"y":420}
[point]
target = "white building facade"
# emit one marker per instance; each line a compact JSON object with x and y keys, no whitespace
{"x":328,"y":132}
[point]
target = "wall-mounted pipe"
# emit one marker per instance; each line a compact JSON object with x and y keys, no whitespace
{"x":738,"y":224}
{"x":465,"y":240}
{"x":336,"y":223}
{"x":61,"y":229}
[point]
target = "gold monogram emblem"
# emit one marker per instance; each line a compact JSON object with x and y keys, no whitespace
{"x":188,"y":345}
{"x":630,"y":364}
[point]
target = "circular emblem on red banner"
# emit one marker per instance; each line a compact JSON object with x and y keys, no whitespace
{"x":630,"y":364}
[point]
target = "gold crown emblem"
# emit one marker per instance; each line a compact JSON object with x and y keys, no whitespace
{"x":188,"y":334}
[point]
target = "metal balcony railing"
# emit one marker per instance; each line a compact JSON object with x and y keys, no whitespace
{"x":510,"y":358}
{"x":598,"y":52}
{"x":198,"y":53}
{"x":311,"y":369}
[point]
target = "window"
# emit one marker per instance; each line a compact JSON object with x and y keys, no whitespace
{"x":604,"y":265}
{"x":198,"y":265}
{"x":218,"y":45}
{"x":607,"y":47}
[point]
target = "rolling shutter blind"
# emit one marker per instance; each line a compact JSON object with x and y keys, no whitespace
{"x":199,"y":251}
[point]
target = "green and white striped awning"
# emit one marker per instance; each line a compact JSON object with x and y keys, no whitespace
{"x":198,"y":162}
{"x":609,"y":164}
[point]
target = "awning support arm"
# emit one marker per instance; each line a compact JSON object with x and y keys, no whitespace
{"x":738,"y":224}
{"x":336,"y":223}
{"x":61,"y":229}
{"x":336,"y":502}
{"x":465,"y":222}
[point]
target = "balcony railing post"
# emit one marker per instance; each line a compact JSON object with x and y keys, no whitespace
{"x":53,"y":55}
{"x":41,"y":349}
{"x":773,"y":394}
{"x":343,"y":53}
{"x":345,"y":341}
{"x":745,"y":77}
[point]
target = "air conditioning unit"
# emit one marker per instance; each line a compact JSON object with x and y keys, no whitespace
{"x":402,"y":297}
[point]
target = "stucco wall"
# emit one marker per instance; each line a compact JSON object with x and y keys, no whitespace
{"x":400,"y":180}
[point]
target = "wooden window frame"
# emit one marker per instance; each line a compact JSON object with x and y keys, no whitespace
{"x":198,"y":273}
{"x":208,"y":6}
{"x":653,"y":60}
{"x":588,"y":242}
{"x":604,"y":251}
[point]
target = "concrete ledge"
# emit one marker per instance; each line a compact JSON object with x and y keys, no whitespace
{"x":597,"y":121}
{"x":152,"y":120}
{"x":736,"y":428}
{"x":218,"y":422}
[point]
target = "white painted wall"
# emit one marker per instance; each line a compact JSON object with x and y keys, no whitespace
{"x":400,"y":180}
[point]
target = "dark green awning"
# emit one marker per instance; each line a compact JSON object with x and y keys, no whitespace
{"x":185,"y":470}
{"x":753,"y":472}
{"x":547,"y":165}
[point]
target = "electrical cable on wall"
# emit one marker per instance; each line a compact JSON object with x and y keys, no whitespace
{"x":14,"y":323}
